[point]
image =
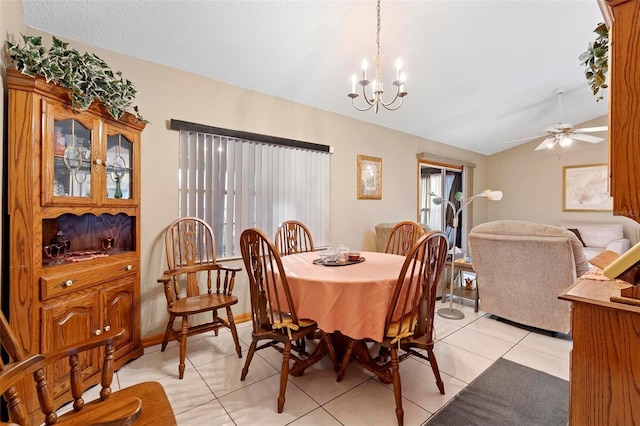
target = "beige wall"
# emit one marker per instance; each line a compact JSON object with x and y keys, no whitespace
{"x":165,"y":93}
{"x":532,"y":183}
{"x":531,"y":180}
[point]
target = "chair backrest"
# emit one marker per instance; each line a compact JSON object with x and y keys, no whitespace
{"x":521,"y":269}
{"x":271,"y":303}
{"x":416,"y":289}
{"x":402,"y":237}
{"x":293,"y":237}
{"x":190,"y":247}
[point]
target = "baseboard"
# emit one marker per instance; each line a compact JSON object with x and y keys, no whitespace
{"x":156,"y":339}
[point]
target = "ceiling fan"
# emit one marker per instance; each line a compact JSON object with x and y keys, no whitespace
{"x":562,"y":134}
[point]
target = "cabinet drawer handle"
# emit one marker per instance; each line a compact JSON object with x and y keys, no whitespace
{"x":97,"y":332}
{"x":65,"y":284}
{"x":128,"y":267}
{"x":107,"y":327}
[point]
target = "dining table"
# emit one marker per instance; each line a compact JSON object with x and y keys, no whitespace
{"x":349,"y":301}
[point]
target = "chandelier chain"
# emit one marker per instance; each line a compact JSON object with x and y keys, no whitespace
{"x":378,"y":32}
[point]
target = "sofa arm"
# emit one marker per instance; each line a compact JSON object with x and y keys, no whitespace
{"x":619,"y":246}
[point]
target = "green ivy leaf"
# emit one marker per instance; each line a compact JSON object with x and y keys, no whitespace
{"x":87,"y":76}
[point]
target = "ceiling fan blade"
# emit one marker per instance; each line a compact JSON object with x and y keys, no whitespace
{"x":586,"y":138}
{"x":593,"y":129}
{"x":548,"y":143}
{"x":524,"y":139}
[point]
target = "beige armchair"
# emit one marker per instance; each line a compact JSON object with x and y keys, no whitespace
{"x":522,"y":267}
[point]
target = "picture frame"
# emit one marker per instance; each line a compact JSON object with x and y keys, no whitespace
{"x":369,"y":178}
{"x":586,"y":188}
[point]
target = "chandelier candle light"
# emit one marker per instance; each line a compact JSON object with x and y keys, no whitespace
{"x":449,"y":312}
{"x":375,"y":99}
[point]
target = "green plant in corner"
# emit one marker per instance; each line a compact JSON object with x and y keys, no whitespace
{"x":596,"y":61}
{"x":87,"y":76}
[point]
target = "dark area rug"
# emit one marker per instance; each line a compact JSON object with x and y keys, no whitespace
{"x":508,"y":393}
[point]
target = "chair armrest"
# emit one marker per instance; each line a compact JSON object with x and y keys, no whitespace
{"x":231,"y":268}
{"x":170,"y":273}
{"x":16,"y":371}
{"x":619,"y":246}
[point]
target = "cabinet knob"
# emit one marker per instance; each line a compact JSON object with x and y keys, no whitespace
{"x":67,"y":283}
{"x":97,"y":162}
{"x":97,"y":332}
{"x":128,"y":267}
{"x":107,"y":327}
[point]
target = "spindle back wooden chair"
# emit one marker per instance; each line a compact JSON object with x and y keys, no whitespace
{"x":402,"y":237}
{"x":292,"y":237}
{"x":191,"y":260}
{"x":273,"y":312}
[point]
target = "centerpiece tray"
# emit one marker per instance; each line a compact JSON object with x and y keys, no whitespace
{"x":337,"y":262}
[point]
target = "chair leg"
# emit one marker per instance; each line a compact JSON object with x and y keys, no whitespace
{"x":252,"y":350}
{"x":184,"y":331}
{"x":284,"y":374}
{"x":167,"y":333}
{"x":215,"y":319}
{"x":345,"y":359}
{"x":436,"y":370}
{"x":397,"y":388}
{"x":234,"y":332}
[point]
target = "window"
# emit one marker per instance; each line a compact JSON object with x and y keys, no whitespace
{"x":238,"y":180}
{"x":445,"y":181}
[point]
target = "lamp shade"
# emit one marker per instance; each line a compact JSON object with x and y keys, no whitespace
{"x":493,"y":195}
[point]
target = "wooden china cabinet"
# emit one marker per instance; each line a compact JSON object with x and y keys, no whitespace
{"x":74,"y":224}
{"x":605,"y":327}
{"x":623,"y":17}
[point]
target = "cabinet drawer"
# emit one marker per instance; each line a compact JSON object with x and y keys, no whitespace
{"x":82,"y":275}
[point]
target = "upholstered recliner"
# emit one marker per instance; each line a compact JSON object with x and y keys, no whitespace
{"x":522,"y":267}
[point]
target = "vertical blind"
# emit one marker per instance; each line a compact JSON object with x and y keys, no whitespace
{"x":234,"y":184}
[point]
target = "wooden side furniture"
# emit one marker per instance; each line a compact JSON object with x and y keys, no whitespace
{"x":624,"y":105}
{"x":191,"y":253}
{"x":293,"y":236}
{"x":461,"y":265}
{"x":273,"y":312}
{"x":141,"y":404}
{"x":402,"y":237}
{"x":604,"y":361}
{"x":73,"y":226}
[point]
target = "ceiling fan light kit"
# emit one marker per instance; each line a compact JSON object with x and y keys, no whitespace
{"x":563,"y":134}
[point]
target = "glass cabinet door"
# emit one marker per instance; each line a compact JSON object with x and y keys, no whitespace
{"x":119,"y":167}
{"x":69,"y":147}
{"x":71,"y":159}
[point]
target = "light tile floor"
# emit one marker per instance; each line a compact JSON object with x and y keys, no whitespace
{"x":212,"y":393}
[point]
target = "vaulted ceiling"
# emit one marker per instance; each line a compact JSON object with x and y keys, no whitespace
{"x":479,"y":72}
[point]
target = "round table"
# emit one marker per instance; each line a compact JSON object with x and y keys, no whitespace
{"x":352,"y":299}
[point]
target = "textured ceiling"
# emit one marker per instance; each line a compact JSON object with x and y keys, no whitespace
{"x":479,"y":72}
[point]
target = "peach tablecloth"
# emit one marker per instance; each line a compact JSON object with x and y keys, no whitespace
{"x":352,"y":299}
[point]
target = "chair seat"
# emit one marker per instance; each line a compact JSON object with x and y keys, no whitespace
{"x":155,"y":407}
{"x":200,"y":303}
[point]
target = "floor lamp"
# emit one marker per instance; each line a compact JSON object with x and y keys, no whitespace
{"x":449,"y":312}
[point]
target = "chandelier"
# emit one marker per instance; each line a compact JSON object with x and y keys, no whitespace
{"x":374,"y":99}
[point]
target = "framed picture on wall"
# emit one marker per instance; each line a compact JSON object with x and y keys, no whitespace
{"x":369,"y":178}
{"x":586,"y":188}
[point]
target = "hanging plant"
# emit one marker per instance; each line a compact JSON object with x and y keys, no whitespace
{"x":596,"y":61}
{"x":87,"y":76}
